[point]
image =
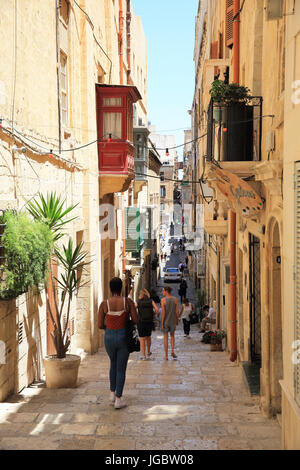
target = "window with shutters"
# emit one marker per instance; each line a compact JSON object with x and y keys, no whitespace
{"x":229,"y":22}
{"x":297,"y":277}
{"x":132,"y":229}
{"x":214,"y":50}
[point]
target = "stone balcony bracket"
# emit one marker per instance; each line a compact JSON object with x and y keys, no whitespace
{"x":270,"y":174}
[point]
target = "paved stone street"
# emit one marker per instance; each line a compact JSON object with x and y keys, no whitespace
{"x":196,"y":402}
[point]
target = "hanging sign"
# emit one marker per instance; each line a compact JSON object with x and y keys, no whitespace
{"x":241,"y":196}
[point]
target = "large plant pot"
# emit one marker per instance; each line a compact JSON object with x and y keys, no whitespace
{"x":216,"y":347}
{"x":62,"y":373}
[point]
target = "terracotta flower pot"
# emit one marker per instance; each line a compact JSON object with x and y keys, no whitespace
{"x":216,"y":347}
{"x":62,"y":373}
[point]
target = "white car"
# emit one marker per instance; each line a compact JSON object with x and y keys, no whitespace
{"x":172,"y":274}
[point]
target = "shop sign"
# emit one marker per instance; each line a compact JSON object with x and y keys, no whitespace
{"x":241,"y":196}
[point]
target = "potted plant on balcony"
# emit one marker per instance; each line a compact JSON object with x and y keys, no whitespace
{"x":61,"y":369}
{"x":224,"y":93}
{"x":216,"y":340}
{"x":227,"y":94}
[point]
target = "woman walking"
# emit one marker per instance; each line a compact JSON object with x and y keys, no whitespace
{"x":113,"y":316}
{"x":186,"y":309}
{"x":169,"y":320}
{"x":146,"y":307}
{"x":182,"y":289}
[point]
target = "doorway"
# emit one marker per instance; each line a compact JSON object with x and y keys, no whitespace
{"x":276,"y":363}
{"x":252,"y":367}
{"x":255,"y":300}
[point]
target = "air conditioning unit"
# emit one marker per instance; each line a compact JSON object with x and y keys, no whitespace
{"x":274,"y":9}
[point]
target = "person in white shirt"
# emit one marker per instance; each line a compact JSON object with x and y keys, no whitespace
{"x":210,"y":318}
{"x":186,"y":309}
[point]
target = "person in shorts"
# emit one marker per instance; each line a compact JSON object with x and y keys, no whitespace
{"x":146,"y":308}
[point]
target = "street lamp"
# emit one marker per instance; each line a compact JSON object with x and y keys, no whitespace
{"x":207,"y":192}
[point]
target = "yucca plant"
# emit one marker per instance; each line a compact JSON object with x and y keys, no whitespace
{"x":71,"y":259}
{"x":51,"y":211}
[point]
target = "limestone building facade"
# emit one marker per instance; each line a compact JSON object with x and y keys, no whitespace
{"x":54,"y":55}
{"x":251,"y":269}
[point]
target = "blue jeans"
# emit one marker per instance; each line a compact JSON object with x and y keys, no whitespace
{"x":116,"y":348}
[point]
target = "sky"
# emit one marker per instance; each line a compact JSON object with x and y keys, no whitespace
{"x":169,"y":27}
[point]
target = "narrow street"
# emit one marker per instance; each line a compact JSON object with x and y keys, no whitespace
{"x":197,"y":402}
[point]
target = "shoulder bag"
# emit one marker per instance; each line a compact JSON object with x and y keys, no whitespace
{"x":132,"y":338}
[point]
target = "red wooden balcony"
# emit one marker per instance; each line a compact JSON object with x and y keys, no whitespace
{"x":115,"y":136}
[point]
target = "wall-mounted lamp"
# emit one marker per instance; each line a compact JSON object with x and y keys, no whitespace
{"x":18,"y":149}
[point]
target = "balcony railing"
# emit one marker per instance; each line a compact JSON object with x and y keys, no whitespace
{"x":234,"y":131}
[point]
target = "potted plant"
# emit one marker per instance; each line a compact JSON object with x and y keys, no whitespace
{"x":216,"y":340}
{"x":61,"y":369}
{"x":224,"y":93}
{"x":206,"y":338}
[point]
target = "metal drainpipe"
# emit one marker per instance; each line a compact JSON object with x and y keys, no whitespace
{"x":57,"y":7}
{"x":120,"y":38}
{"x":233,"y":321}
{"x":232,"y":215}
{"x":128,"y":23}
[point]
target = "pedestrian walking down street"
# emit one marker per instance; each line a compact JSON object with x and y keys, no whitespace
{"x":169,"y":320}
{"x":146,"y":308}
{"x":181,"y":267}
{"x":186,"y":309}
{"x":112,"y":317}
{"x":182,"y":290}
